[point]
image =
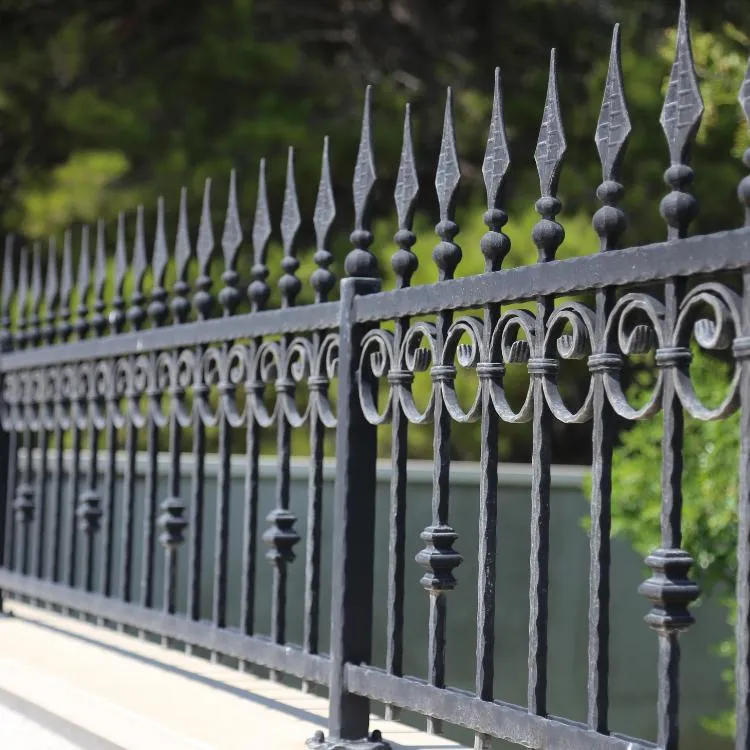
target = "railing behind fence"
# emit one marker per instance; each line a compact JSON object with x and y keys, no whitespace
{"x":140,"y":368}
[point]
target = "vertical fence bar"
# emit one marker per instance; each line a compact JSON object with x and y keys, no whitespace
{"x":23,"y":504}
{"x":680,"y":118}
{"x":70,"y":405}
{"x":117,"y":323}
{"x":323,"y":282}
{"x":8,"y":433}
{"x":354,"y":493}
{"x":613,"y":129}
{"x":137,"y":315}
{"x":438,"y":557}
{"x":282,"y":537}
{"x":108,"y":405}
{"x":56,"y":413}
{"x":40,"y":491}
{"x":171,"y":520}
{"x":404,"y":263}
{"x":495,"y":245}
{"x":229,"y":298}
{"x":89,"y":505}
{"x":203,"y":302}
{"x":258,"y":292}
{"x":548,"y":236}
{"x":742,"y":355}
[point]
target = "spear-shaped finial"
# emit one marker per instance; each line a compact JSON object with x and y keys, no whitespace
{"x":258,"y":291}
{"x":322,"y":279}
{"x":35,"y":332}
{"x":229,"y":296}
{"x":548,"y":234}
{"x":117,"y":316}
{"x":157,"y":309}
{"x":51,"y":293}
{"x":98,"y":321}
{"x":64,"y":328}
{"x":22,"y":291}
{"x":495,"y":244}
{"x":203,"y":299}
{"x":612,"y":132}
{"x":136,"y":313}
{"x":680,"y":119}
{"x":84,"y":284}
{"x":447,"y":254}
{"x":360,"y":261}
{"x":289,"y":284}
{"x":6,"y":338}
{"x":180,"y":302}
{"x":404,"y":261}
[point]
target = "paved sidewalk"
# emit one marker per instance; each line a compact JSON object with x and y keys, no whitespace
{"x":19,"y":733}
{"x":120,"y":693}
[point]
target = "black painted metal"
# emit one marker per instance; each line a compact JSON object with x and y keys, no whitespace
{"x":165,"y":364}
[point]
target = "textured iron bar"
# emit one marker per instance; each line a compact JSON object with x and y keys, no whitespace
{"x":56,"y":404}
{"x":258,"y":292}
{"x":353,"y":545}
{"x":203,"y":302}
{"x":438,"y":557}
{"x":229,"y":298}
{"x":8,"y":439}
{"x":323,"y":281}
{"x":117,"y":322}
{"x":495,"y":246}
{"x":43,"y":436}
{"x":742,"y":353}
{"x":23,"y":505}
{"x":404,"y":263}
{"x":680,"y":119}
{"x":613,"y":130}
{"x":501,"y":720}
{"x":88,"y":510}
{"x":171,"y":521}
{"x":282,"y":537}
{"x":136,"y":315}
{"x":548,"y":236}
{"x":99,"y":325}
{"x":9,"y":490}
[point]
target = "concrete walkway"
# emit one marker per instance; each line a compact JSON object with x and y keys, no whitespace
{"x":69,"y":685}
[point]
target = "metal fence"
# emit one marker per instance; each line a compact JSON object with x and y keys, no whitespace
{"x":165,"y":364}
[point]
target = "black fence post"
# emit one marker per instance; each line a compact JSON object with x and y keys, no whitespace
{"x":353,"y":530}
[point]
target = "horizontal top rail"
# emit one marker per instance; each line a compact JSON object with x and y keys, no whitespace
{"x":709,"y":253}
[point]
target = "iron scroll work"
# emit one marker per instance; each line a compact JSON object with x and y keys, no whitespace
{"x":163,"y":363}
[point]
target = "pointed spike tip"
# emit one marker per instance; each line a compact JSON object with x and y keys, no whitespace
{"x":231,"y":238}
{"x":407,"y":185}
{"x":496,"y":156}
{"x":290,"y":215}
{"x":364,"y":169}
{"x":160,"y":255}
{"x":448,"y":173}
{"x":205,"y":243}
{"x":551,"y":144}
{"x":683,"y":104}
{"x":613,"y":127}
{"x":262,"y":221}
{"x":325,"y":207}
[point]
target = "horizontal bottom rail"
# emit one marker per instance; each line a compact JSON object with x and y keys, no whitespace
{"x":251,"y":648}
{"x":501,"y":720}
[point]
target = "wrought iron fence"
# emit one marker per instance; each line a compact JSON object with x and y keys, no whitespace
{"x":166,"y":364}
